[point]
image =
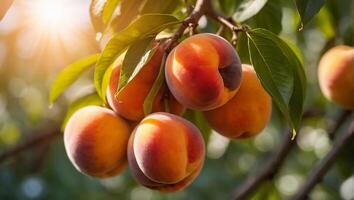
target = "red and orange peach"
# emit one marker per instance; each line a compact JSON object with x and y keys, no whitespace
{"x":203,"y":72}
{"x":165,"y":152}
{"x":96,"y":140}
{"x":247,"y":113}
{"x":336,"y":75}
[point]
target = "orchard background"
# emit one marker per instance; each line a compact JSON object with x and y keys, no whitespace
{"x":38,"y":38}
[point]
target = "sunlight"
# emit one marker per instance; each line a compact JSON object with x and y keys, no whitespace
{"x":52,"y":29}
{"x":51,"y":15}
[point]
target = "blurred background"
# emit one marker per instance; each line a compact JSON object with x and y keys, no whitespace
{"x":40,"y":37}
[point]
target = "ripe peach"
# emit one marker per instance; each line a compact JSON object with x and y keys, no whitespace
{"x":96,"y":140}
{"x":130,"y":101}
{"x":336,"y":75}
{"x":203,"y":72}
{"x":165,"y":152}
{"x":247,"y":113}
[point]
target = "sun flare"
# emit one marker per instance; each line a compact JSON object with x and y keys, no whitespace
{"x":52,"y":28}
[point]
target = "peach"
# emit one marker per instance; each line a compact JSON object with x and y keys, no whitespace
{"x":247,"y":113}
{"x":130,"y":101}
{"x":203,"y":72}
{"x":336,"y":75}
{"x":165,"y":152}
{"x":96,"y":140}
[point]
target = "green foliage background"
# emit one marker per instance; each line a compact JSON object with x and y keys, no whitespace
{"x":45,"y":172}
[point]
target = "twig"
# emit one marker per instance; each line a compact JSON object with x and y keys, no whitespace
{"x":41,"y":154}
{"x":269,"y":171}
{"x":344,"y":114}
{"x":204,"y":7}
{"x":275,"y":162}
{"x":227,"y":22}
{"x":199,"y":10}
{"x":323,"y":167}
{"x":35,"y":140}
{"x":313,"y":112}
{"x":189,"y":6}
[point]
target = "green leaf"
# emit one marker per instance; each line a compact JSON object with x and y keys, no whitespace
{"x":280,"y":72}
{"x":242,"y":48}
{"x":96,"y":11}
{"x":105,"y":82}
{"x":131,"y":60}
{"x":90,"y":99}
{"x":144,"y":26}
{"x":69,"y":75}
{"x":160,"y":6}
{"x":247,"y":9}
{"x":296,"y":50}
{"x":129,"y":10}
{"x":144,"y":60}
{"x":5,"y":5}
{"x":270,"y":17}
{"x":108,"y":10}
{"x":101,"y":12}
{"x":149,"y":100}
{"x":228,"y":6}
{"x":325,"y":23}
{"x":307,"y":9}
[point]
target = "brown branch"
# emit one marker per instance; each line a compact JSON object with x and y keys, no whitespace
{"x":227,"y":22}
{"x":275,"y":162}
{"x":322,"y":168}
{"x":201,"y":8}
{"x":334,"y":126}
{"x":269,"y":171}
{"x":33,"y":141}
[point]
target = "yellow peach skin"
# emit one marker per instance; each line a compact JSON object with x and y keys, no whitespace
{"x":336,"y":75}
{"x":165,"y":152}
{"x":203,"y":72}
{"x":247,"y":113}
{"x":130,"y":101}
{"x":96,"y":140}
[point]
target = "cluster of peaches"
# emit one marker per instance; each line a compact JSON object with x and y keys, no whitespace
{"x":166,"y":152}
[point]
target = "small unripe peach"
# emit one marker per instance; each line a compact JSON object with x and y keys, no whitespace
{"x":165,"y":152}
{"x":203,"y":72}
{"x":247,"y":113}
{"x":96,"y":140}
{"x":336,"y":75}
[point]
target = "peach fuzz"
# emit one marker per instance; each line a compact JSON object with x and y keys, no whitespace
{"x":130,"y":101}
{"x":165,"y":152}
{"x":96,"y":140}
{"x":336,"y":75}
{"x":203,"y":72}
{"x":247,"y":113}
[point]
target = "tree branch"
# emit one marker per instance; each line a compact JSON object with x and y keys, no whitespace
{"x":269,"y":171}
{"x":322,"y":168}
{"x":344,"y":114}
{"x":276,"y":161}
{"x":201,"y":8}
{"x":227,"y":22}
{"x":33,"y":141}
